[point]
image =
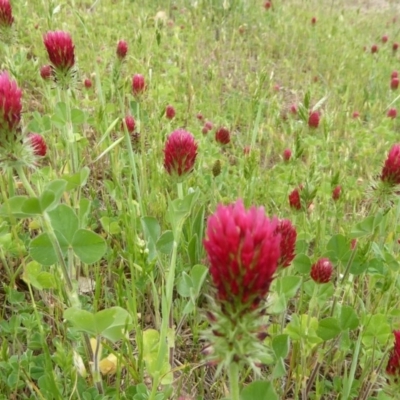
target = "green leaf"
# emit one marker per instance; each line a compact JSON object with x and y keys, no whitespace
{"x":151,"y":340}
{"x":82,"y":320}
{"x":348,"y":318}
{"x":46,"y":199}
{"x":64,"y":219}
{"x":77,"y":116}
{"x":303,"y":327}
{"x":189,"y":307}
{"x":60,"y":115}
{"x":280,"y":345}
{"x":367,"y":226}
{"x":179,"y":209}
{"x":359,"y":265}
{"x":184,"y":285}
{"x":192,"y":249}
{"x":328,"y":328}
{"x":88,"y":246}
{"x":165,"y":243}
{"x":77,"y":180}
{"x":83,"y":212}
{"x":42,"y":251}
{"x":339,"y":248}
{"x":377,"y":330}
{"x":152,"y":231}
{"x":109,"y":323}
{"x":288,"y":286}
{"x":14,"y":207}
{"x":259,"y":390}
{"x":39,"y":279}
{"x":279,"y":369}
{"x":111,"y":227}
{"x":198,"y":274}
{"x":57,"y":187}
{"x":302,"y":264}
{"x":31,"y":206}
{"x":46,"y":280}
{"x":112,"y":323}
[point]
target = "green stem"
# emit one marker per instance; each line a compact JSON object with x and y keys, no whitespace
{"x":180,"y":190}
{"x":233,"y":373}
{"x":132,"y":162}
{"x":166,"y":340}
{"x":96,"y":371}
{"x":72,"y":144}
{"x":49,"y":367}
{"x":348,"y":380}
{"x":25,"y":182}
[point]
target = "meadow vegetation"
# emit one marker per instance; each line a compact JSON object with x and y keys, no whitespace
{"x":199,"y":199}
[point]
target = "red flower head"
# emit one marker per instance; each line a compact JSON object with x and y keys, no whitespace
{"x":46,"y":72}
{"x":392,"y":113}
{"x":38,"y":144}
{"x":395,"y":74}
{"x":391,"y":169}
{"x":122,"y":49}
{"x":138,"y":84}
{"x":394,"y":83}
{"x":293,"y":109}
{"x":200,"y":116}
{"x":10,"y":103}
{"x":243,"y":250}
{"x":313,"y":20}
{"x":356,"y":114}
{"x":60,"y":49}
{"x":385,"y":38}
{"x":374,"y":48}
{"x":129,"y":122}
{"x":207,"y":127}
{"x":393,"y":366}
{"x":170,"y":112}
{"x":6,"y":18}
{"x":87,"y":83}
{"x":336,"y":192}
{"x":267,"y":5}
{"x":395,"y":46}
{"x":288,"y":242}
{"x":287,"y":154}
{"x":222,"y":136}
{"x":321,"y":271}
{"x":294,"y":199}
{"x":313,"y":119}
{"x":180,"y":153}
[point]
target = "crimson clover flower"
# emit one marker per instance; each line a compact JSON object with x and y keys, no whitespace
{"x":180,"y":153}
{"x":138,"y":84}
{"x":288,"y":242}
{"x":243,"y":248}
{"x":129,"y":122}
{"x":391,"y":169}
{"x":10,"y":104}
{"x":16,"y":148}
{"x":122,"y":49}
{"x":38,"y":143}
{"x":321,"y":271}
{"x":60,"y":49}
{"x":393,"y":366}
{"x":313,"y":119}
{"x":294,"y":199}
{"x":223,"y":136}
{"x":6,"y":17}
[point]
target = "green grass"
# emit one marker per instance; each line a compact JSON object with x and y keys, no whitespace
{"x":223,"y":63}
